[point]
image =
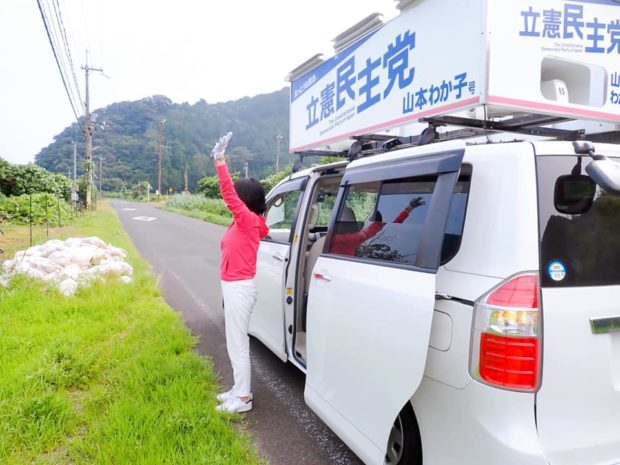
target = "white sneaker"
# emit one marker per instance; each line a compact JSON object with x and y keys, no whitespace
{"x":235,"y":405}
{"x":223,"y":397}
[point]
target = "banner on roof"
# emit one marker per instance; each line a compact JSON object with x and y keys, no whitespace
{"x":424,"y":62}
{"x":558,"y":57}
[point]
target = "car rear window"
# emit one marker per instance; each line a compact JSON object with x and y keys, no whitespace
{"x":581,"y":248}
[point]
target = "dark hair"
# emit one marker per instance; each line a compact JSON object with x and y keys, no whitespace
{"x":252,"y":193}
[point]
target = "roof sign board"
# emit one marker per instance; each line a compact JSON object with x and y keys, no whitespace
{"x":438,"y":57}
{"x":426,"y":61}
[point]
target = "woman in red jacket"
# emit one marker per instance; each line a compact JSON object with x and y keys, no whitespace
{"x":246,"y":200}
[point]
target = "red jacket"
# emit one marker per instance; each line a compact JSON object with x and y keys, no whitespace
{"x":240,"y":242}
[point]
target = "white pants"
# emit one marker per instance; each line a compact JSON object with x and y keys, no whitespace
{"x":239,"y":299}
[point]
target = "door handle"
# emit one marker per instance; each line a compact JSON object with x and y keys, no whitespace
{"x":323,"y":276}
{"x":280,"y":258}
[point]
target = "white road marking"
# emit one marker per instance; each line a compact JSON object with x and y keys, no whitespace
{"x":144,"y":218}
{"x":129,"y":209}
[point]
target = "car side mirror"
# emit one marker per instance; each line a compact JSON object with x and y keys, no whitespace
{"x":574,"y":194}
{"x":606,"y":173}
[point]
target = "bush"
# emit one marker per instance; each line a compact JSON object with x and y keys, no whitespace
{"x":270,"y":181}
{"x":200,"y":203}
{"x":209,"y":186}
{"x":141,"y":190}
{"x":82,"y":188}
{"x":29,"y":179}
{"x":16,"y":209}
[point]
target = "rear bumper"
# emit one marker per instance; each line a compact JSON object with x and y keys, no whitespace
{"x":477,"y":424}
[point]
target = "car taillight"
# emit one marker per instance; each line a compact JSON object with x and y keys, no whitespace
{"x":506,"y":335}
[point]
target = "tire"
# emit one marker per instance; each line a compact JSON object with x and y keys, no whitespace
{"x":404,"y":444}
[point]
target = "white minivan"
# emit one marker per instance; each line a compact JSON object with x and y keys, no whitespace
{"x":453,"y":303}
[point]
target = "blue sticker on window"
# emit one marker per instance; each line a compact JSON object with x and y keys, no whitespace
{"x":556,"y":270}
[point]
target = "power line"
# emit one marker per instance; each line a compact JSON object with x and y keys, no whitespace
{"x":64,"y":81}
{"x":51,"y":30}
{"x":66,"y":60}
{"x":53,"y":21}
{"x":68,"y":51}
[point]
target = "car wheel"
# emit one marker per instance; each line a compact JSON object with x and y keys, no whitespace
{"x":404,"y":445}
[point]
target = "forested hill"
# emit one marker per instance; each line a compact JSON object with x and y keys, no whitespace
{"x":127,"y":136}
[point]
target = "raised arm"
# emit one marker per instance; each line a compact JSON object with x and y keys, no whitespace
{"x":377,"y":225}
{"x":227,"y":188}
{"x":404,"y":214}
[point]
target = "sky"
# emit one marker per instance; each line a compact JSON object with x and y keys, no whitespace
{"x":216,"y":50}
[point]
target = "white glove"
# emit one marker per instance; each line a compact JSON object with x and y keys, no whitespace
{"x":220,"y":147}
{"x":415,"y":203}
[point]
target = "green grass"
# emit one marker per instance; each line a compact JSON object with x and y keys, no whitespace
{"x":108,"y":376}
{"x":198,"y":206}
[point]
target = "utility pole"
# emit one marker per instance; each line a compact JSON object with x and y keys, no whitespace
{"x":278,"y":139}
{"x":100,"y":174}
{"x":74,"y":196}
{"x":88,"y":133}
{"x":246,"y":169}
{"x":160,"y":153}
{"x":186,"y":178}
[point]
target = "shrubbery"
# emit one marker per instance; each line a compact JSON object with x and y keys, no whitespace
{"x":197,"y":202}
{"x":22,"y":184}
{"x":208,"y":205}
{"x":16,"y":209}
{"x":209,"y":186}
{"x":270,"y":181}
{"x":17,"y":180}
{"x":141,"y":191}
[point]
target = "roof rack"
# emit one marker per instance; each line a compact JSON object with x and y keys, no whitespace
{"x":526,"y":123}
{"x":373,"y":144}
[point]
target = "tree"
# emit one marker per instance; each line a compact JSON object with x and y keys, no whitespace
{"x":238,"y":156}
{"x":210,"y":186}
{"x":270,"y":181}
{"x":198,"y":168}
{"x":7,"y":177}
{"x":129,"y":142}
{"x":29,"y":179}
{"x":140,"y":190}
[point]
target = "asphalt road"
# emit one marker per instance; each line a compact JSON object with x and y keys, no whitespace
{"x":184,"y":254}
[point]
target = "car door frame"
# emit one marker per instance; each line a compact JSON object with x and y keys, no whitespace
{"x":267,"y":323}
{"x":323,"y":391}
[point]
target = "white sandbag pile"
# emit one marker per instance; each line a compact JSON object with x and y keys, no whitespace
{"x":69,"y":264}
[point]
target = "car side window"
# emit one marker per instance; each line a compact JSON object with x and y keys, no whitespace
{"x":383,"y":220}
{"x":322,"y":208}
{"x":281,"y":215}
{"x":456,"y":216}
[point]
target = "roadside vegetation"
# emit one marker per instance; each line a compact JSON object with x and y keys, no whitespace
{"x":108,"y":376}
{"x":30,"y":194}
{"x":208,"y":205}
{"x":199,"y":206}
